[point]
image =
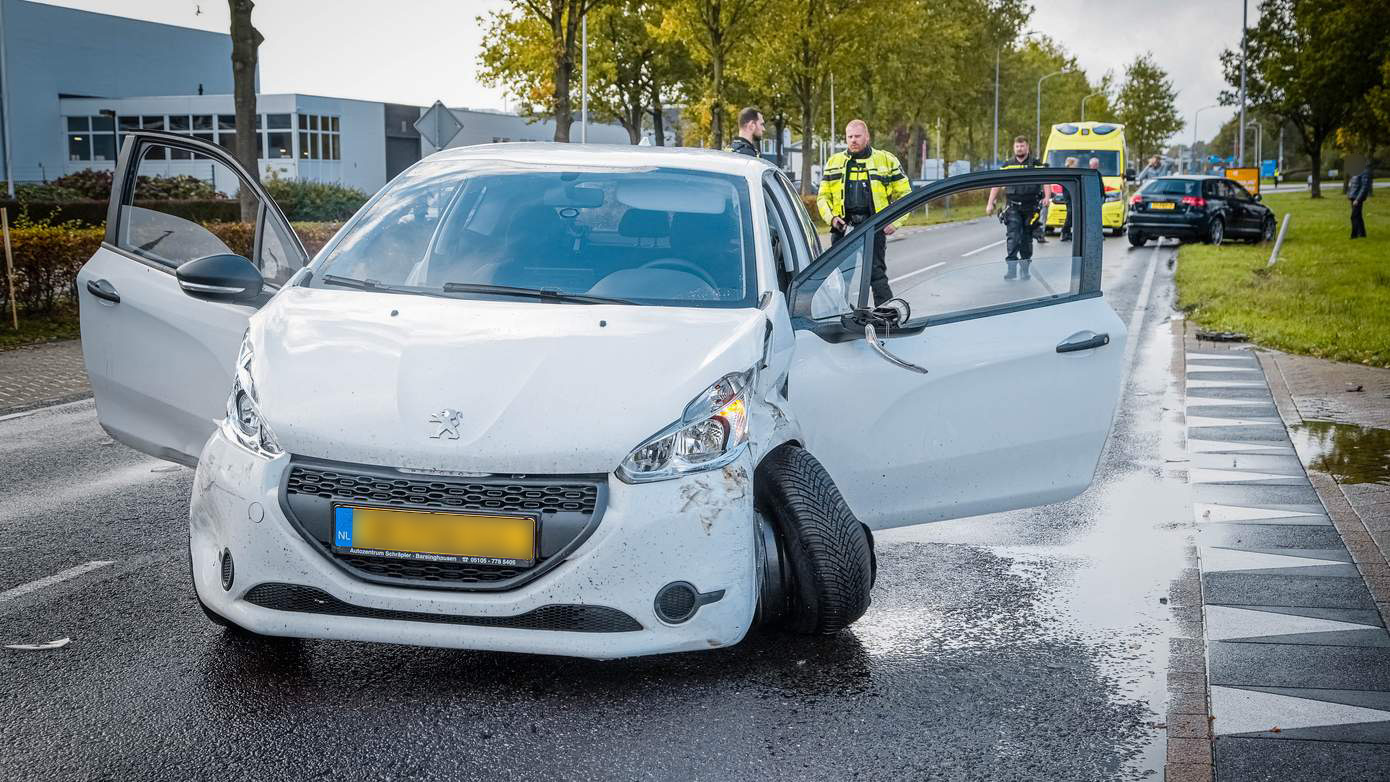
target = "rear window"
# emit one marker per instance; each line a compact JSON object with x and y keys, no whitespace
{"x":1190,"y":187}
{"x":650,"y":236}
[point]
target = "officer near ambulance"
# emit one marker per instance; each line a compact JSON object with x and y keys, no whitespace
{"x":856,"y":185}
{"x":1021,"y":211}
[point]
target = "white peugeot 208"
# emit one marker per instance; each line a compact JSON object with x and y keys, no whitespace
{"x":579,"y":400}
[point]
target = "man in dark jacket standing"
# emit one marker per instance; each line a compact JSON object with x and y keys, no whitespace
{"x":750,"y":133}
{"x":1358,"y":191}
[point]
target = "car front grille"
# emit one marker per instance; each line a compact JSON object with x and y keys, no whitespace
{"x":567,"y":509}
{"x":426,"y":493}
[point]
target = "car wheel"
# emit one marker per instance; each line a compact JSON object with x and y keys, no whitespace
{"x":1137,"y":239}
{"x":1216,"y":232}
{"x":1267,"y":231}
{"x":829,"y":554}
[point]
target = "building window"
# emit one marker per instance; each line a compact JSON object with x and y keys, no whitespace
{"x":319,"y":137}
{"x":92,"y":138}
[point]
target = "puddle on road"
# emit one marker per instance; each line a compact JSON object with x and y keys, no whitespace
{"x":1349,"y":453}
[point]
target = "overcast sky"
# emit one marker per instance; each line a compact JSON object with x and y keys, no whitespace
{"x":422,"y":50}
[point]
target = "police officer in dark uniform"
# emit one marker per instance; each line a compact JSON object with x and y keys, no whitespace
{"x":1020,"y":213}
{"x":750,"y":133}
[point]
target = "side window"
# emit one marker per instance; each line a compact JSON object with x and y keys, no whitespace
{"x":841,"y":292}
{"x":1239,"y":192}
{"x":789,"y":245}
{"x":808,"y":229}
{"x":949,"y":259}
{"x":180,"y":205}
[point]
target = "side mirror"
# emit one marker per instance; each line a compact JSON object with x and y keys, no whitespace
{"x":222,"y":277}
{"x":1258,"y":198}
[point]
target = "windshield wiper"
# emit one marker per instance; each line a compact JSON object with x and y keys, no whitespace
{"x":543,"y":294}
{"x":364,"y":285}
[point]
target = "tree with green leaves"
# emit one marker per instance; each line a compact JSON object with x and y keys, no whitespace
{"x":1147,"y":105}
{"x":1309,"y":63}
{"x":530,"y":38}
{"x":718,"y":33}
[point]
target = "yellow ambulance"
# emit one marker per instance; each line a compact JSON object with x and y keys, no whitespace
{"x":1103,"y":143}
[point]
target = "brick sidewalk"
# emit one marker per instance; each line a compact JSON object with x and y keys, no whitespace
{"x":41,"y":375}
{"x":1298,"y":657}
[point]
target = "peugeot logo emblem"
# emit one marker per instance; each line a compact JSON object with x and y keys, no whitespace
{"x":448,"y":421}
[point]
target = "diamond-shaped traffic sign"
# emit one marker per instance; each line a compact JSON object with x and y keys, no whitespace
{"x":438,"y":125}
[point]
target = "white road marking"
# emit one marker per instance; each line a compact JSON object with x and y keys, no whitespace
{"x":1248,"y":711}
{"x":919,"y":271}
{"x":1136,"y":318}
{"x":982,"y":249}
{"x":56,"y":578}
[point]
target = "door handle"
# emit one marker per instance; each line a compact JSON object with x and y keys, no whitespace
{"x":103,"y":290}
{"x":1081,"y":342}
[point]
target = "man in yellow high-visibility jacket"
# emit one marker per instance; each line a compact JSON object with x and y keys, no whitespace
{"x":855,"y":186}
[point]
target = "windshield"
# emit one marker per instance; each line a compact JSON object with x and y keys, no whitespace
{"x":474,"y":229}
{"x":1172,"y":187}
{"x":1109,"y":159}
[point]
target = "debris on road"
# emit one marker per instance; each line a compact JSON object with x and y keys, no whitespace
{"x":56,"y":644}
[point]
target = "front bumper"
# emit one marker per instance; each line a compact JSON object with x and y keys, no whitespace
{"x":1177,"y":226}
{"x":698,"y":529}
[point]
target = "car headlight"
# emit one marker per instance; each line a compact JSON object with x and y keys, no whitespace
{"x":710,"y":434}
{"x":243,"y":423}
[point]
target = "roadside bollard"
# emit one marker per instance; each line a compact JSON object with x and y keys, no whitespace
{"x":1274,"y":254}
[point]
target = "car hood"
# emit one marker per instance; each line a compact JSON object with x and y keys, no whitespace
{"x":540,"y":388}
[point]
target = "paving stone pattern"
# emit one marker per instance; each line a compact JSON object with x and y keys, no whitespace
{"x":1298,"y":658}
{"x":41,"y":375}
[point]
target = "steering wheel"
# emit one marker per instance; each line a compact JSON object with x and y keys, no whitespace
{"x":681,"y":265}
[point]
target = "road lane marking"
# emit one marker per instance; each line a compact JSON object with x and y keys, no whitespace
{"x":1136,"y":318}
{"x":982,"y":249}
{"x":56,"y":578}
{"x":919,"y":271}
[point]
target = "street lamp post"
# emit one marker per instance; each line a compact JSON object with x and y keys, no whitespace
{"x":583,"y":79}
{"x":1083,"y":103}
{"x":1193,"y":152}
{"x":1037,"y":134}
{"x":1259,"y":144}
{"x":5,"y":109}
{"x":996,"y":106}
{"x":1244,"y":15}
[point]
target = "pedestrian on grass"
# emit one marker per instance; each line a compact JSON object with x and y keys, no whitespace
{"x":1358,"y":191}
{"x":750,"y":133}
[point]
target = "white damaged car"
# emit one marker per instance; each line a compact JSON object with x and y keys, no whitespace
{"x":577,"y":400}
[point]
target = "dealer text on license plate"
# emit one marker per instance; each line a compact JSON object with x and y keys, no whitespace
{"x":434,"y":536}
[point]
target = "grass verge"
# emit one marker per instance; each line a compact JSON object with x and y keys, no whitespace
{"x":49,"y":327}
{"x":1327,"y":296}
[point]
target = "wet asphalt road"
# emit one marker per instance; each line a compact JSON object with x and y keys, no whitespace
{"x":1028,"y":645}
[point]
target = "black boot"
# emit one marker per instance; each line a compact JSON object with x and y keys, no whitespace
{"x":1023,"y":270}
{"x":1012,"y":273}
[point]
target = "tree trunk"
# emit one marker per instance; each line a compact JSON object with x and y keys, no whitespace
{"x":716,"y":108}
{"x":658,"y":119}
{"x":564,"y":71}
{"x":1315,"y":153}
{"x":246,"y":40}
{"x":808,"y":123}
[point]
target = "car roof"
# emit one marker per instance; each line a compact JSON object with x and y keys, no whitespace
{"x":617,"y":155}
{"x":1193,"y":177}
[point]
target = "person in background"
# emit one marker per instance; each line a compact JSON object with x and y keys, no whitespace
{"x":1023,"y":202}
{"x":1358,"y":190}
{"x":858,"y":184}
{"x":1061,"y":198}
{"x":1152,"y":171}
{"x":750,"y":133}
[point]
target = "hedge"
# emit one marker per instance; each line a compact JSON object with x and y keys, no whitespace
{"x":48,"y":256}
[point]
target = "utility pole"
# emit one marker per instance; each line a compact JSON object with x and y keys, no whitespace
{"x":1083,"y":103}
{"x":5,"y":107}
{"x":1244,"y":13}
{"x":1037,"y":142}
{"x":1195,"y":115}
{"x":583,"y":79}
{"x":996,"y":106}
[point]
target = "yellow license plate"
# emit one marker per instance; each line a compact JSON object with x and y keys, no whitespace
{"x":433,"y":536}
{"x":1162,"y":205}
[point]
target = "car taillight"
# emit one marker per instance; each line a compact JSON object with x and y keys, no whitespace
{"x":1195,"y":201}
{"x":1136,"y":198}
